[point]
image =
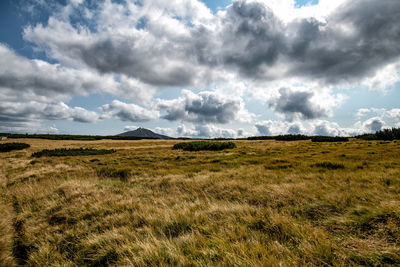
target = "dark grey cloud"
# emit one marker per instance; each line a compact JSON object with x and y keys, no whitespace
{"x":357,"y":40}
{"x":22,"y":78}
{"x":297,"y":104}
{"x":251,"y":37}
{"x":263,"y":129}
{"x":150,"y":55}
{"x":324,"y":130}
{"x":205,"y":107}
{"x":374,"y":124}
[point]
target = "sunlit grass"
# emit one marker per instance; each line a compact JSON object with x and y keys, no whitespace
{"x":261,"y":203}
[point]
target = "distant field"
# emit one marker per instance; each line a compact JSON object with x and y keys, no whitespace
{"x":261,"y":203}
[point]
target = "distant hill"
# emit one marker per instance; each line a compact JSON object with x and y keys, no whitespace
{"x":144,"y":133}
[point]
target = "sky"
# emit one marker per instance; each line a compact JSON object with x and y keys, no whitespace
{"x":191,"y":68}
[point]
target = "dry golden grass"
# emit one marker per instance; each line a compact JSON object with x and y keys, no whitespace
{"x":262,"y":203}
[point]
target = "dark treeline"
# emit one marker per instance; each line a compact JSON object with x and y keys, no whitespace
{"x":286,"y":137}
{"x":329,"y":139}
{"x":385,"y":134}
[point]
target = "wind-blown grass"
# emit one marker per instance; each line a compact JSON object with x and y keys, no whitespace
{"x":264,"y":203}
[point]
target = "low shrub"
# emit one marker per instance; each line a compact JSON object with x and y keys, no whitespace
{"x":329,"y":165}
{"x":261,"y":138}
{"x":329,"y":139}
{"x":61,"y":152}
{"x":203,"y":145}
{"x":122,"y":174}
{"x":7,"y":147}
{"x":292,"y":137}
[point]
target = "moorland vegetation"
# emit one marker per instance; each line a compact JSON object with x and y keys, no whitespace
{"x":261,"y":203}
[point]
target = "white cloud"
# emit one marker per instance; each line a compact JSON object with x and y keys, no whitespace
{"x":205,"y":107}
{"x":127,"y":112}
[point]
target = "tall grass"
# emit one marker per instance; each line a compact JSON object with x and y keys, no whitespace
{"x":264,"y":203}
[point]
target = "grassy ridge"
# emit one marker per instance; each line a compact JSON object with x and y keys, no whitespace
{"x":265,"y":203}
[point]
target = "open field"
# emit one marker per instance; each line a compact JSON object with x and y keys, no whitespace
{"x":261,"y":203}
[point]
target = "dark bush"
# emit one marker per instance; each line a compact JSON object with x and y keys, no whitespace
{"x":7,"y":147}
{"x":61,"y":152}
{"x":203,"y":145}
{"x":330,"y":165}
{"x":292,"y":137}
{"x":261,"y":138}
{"x":329,"y":139}
{"x":123,"y":174}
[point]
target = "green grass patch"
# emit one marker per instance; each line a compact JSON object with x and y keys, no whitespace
{"x":7,"y":147}
{"x":203,"y":145}
{"x":62,"y":152}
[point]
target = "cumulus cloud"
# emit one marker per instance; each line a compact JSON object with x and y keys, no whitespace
{"x":204,"y":107}
{"x":181,"y":43}
{"x":203,"y":131}
{"x":133,"y":48}
{"x":395,"y":114}
{"x":326,"y":128}
{"x":147,"y":41}
{"x":271,"y":128}
{"x":127,"y":112}
{"x":374,"y":124}
{"x":38,"y":111}
{"x":297,"y":104}
{"x":24,"y":79}
{"x":389,"y":114}
{"x":29,"y":116}
{"x":315,"y":127}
